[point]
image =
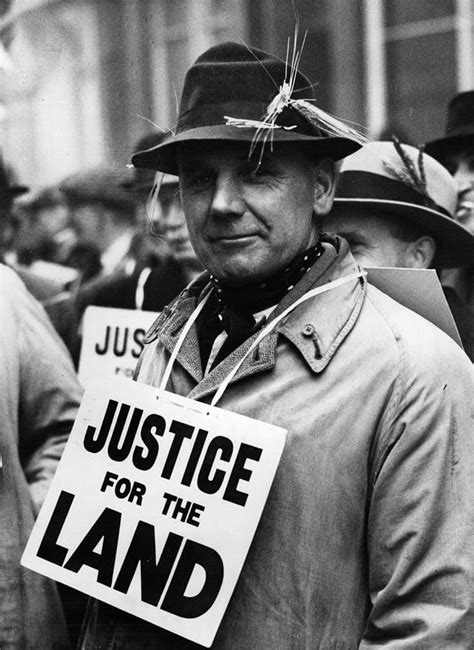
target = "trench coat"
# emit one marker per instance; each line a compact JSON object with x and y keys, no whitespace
{"x":39,"y":397}
{"x":367,"y":537}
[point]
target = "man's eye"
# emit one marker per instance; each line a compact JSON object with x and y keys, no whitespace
{"x":354,"y":244}
{"x":258,"y":172}
{"x":203,"y":179}
{"x":198,"y":180}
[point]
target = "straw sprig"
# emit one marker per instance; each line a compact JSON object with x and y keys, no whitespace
{"x":322,"y":120}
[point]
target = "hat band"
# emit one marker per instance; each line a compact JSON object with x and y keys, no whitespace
{"x":459,"y":129}
{"x":369,"y":186}
{"x":214,"y":114}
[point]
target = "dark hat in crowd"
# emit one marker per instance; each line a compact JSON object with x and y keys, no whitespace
{"x":459,"y":128}
{"x":234,"y":81}
{"x":9,"y":188}
{"x":402,"y":181}
{"x":98,"y":185}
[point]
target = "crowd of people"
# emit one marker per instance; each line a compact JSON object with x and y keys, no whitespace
{"x":261,"y":211}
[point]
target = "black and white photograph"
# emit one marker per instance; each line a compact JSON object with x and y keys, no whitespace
{"x":236,"y":324}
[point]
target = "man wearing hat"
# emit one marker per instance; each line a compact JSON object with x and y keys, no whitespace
{"x":395,"y":207}
{"x":366,"y":537}
{"x":53,"y":294}
{"x":102,"y":215}
{"x":456,"y":152}
{"x":166,"y":261}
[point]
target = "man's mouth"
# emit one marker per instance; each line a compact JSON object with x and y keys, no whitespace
{"x":465,"y":208}
{"x":229,"y":237}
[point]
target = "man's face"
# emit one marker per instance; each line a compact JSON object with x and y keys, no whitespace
{"x":247,"y":221}
{"x":370,"y":238}
{"x":460,"y":164}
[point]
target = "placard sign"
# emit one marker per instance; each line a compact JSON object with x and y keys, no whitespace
{"x":112,"y":340}
{"x":154,"y":505}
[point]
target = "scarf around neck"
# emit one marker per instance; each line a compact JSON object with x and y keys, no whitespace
{"x":231,"y":309}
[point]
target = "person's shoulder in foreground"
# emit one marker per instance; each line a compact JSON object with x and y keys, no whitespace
{"x":39,"y":397}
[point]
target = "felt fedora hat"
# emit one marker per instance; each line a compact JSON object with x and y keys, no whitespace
{"x":414,"y":187}
{"x":459,"y":127}
{"x":232,"y":80}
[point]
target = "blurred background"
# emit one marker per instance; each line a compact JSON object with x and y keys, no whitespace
{"x":80,"y":78}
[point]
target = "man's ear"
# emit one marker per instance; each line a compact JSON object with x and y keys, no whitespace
{"x":324,"y":186}
{"x":420,"y":253}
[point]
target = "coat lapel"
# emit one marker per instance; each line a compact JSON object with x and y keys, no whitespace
{"x":331,"y":321}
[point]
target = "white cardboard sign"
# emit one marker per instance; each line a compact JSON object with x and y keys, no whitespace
{"x":154,"y":505}
{"x":419,"y":290}
{"x":112,"y":340}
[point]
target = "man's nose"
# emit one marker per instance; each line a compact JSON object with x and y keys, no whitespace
{"x":227,"y":198}
{"x":463,"y":178}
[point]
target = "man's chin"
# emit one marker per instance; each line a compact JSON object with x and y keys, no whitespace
{"x":241,"y":276}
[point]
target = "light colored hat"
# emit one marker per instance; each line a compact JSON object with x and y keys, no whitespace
{"x":403,"y":181}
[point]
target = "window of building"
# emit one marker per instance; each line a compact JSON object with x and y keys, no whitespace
{"x":179,"y":33}
{"x":51,"y":92}
{"x":418,"y":55}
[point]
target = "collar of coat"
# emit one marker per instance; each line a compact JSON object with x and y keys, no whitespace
{"x":316,"y":328}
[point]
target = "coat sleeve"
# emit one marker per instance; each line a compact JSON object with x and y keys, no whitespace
{"x":421,"y":514}
{"x":49,"y":393}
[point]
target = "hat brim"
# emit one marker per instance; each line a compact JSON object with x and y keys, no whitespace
{"x":442,"y":147}
{"x":15,"y":190}
{"x":163,"y":157}
{"x":455,"y":244}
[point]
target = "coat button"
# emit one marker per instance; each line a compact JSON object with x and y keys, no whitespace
{"x":308,"y":330}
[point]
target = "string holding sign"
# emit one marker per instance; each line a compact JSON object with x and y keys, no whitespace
{"x":273,"y":323}
{"x":191,"y":320}
{"x":266,"y":330}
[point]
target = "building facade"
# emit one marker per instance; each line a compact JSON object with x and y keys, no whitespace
{"x":82,"y":80}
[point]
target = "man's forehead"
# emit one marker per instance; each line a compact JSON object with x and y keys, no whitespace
{"x":358,"y":219}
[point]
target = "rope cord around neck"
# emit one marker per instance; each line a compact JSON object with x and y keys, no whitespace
{"x":179,"y":342}
{"x":266,"y":330}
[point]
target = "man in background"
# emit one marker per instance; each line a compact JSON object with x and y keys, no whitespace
{"x":39,"y":397}
{"x":394,"y":206}
{"x":52,"y":293}
{"x":45,"y":232}
{"x":166,"y":261}
{"x":103,"y":218}
{"x":456,"y":152}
